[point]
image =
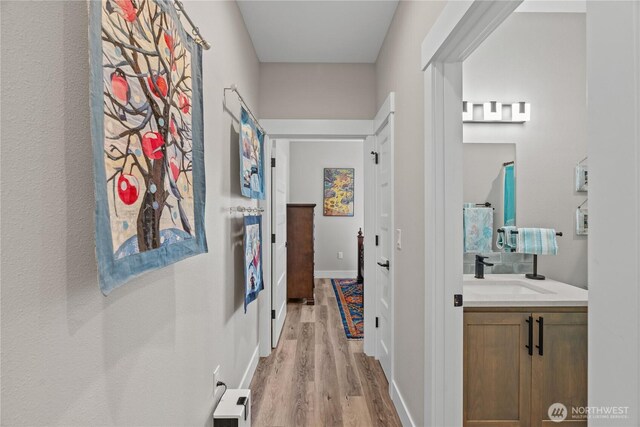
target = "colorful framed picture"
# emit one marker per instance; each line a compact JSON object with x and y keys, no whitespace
{"x":147,"y":133}
{"x":251,"y":157}
{"x":338,"y":191}
{"x":253,"y":283}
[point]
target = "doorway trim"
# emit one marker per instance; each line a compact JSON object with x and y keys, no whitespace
{"x":460,"y":29}
{"x":309,"y":130}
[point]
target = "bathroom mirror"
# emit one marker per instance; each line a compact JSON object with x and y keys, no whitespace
{"x":489,"y":176}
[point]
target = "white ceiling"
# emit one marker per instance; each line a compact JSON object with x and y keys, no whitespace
{"x":553,"y":6}
{"x":318,"y":31}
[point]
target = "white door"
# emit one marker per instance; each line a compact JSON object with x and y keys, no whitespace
{"x":279,"y":184}
{"x":384,"y":231}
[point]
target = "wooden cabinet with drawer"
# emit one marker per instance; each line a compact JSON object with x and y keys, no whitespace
{"x":300,"y":251}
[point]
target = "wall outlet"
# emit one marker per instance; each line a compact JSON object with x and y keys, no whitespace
{"x":398,"y":238}
{"x":340,"y":255}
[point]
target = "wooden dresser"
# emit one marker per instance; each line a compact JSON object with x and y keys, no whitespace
{"x":300,"y":251}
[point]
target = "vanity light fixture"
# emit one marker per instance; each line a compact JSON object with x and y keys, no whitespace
{"x":492,"y":111}
{"x":497,"y":112}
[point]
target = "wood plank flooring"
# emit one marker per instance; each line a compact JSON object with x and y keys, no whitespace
{"x":316,"y":377}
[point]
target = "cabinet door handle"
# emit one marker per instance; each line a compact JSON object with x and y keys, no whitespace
{"x":530,"y":339}
{"x":540,"y":345}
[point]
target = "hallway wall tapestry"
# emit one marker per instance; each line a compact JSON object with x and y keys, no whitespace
{"x":253,"y":283}
{"x":251,"y":157}
{"x":147,"y":132}
{"x":338,"y":191}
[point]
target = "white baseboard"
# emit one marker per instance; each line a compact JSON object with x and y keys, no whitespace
{"x":401,"y":407}
{"x":336,"y":274}
{"x":251,"y":369}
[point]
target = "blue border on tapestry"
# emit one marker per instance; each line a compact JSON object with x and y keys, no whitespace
{"x":112,"y":272}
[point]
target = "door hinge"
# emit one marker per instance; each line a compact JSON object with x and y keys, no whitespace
{"x":375,"y":156}
{"x":457,"y":300}
{"x":377,"y":321}
{"x":273,"y":238}
{"x":273,"y":162}
{"x":377,"y":240}
{"x":273,"y":314}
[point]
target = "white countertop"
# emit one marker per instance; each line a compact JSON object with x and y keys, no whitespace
{"x":515,"y":290}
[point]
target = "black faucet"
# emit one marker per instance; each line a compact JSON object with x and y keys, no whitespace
{"x":480,"y":263}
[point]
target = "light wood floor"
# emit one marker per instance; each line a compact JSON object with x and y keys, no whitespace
{"x":316,"y":377}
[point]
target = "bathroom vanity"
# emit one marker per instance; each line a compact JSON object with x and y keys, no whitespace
{"x":525,"y":348}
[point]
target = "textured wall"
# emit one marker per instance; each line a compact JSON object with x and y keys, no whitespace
{"x":539,"y":58}
{"x":333,"y":234}
{"x":145,"y":355}
{"x":317,"y":91}
{"x":398,"y":69}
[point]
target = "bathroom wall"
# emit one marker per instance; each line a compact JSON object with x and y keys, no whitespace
{"x":539,"y":58}
{"x":145,"y":354}
{"x":398,"y":69}
{"x":317,"y":91}
{"x":333,"y":234}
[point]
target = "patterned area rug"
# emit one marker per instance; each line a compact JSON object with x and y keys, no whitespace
{"x":349,"y":294}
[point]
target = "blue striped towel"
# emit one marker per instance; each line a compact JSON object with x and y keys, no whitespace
{"x":478,"y":230}
{"x":539,"y":241}
{"x":507,"y":240}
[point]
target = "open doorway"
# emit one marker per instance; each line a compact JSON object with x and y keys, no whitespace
{"x":328,"y":347}
{"x":318,"y":222}
{"x":462,"y":28}
{"x":525,"y":262}
{"x":378,"y":253}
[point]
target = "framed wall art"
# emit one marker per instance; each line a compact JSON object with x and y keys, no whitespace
{"x":251,"y":157}
{"x":147,"y":133}
{"x":338,"y":191}
{"x":253,"y":282}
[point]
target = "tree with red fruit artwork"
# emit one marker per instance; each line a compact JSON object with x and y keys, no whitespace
{"x":147,"y":66}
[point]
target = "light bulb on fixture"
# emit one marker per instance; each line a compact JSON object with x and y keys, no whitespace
{"x":467,"y":111}
{"x":521,"y":112}
{"x":492,"y":111}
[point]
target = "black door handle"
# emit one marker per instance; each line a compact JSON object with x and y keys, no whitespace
{"x":530,"y":339}
{"x":540,"y":322}
{"x":385,"y":265}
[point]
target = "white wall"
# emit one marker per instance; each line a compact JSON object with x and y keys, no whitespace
{"x":398,"y":69}
{"x":333,"y":234}
{"x":145,"y":354}
{"x":613,"y":70}
{"x":317,"y":91}
{"x":539,"y":58}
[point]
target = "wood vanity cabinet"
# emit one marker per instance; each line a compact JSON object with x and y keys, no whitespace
{"x":506,"y":383}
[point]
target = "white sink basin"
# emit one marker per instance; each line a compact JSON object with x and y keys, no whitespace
{"x":503,"y":287}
